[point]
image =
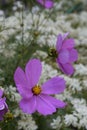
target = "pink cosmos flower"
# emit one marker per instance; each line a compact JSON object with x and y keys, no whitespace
{"x":65,"y":53}
{"x":3,"y":105}
{"x":46,"y":3}
{"x":37,"y":97}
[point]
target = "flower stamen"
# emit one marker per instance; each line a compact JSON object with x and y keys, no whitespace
{"x":36,"y":90}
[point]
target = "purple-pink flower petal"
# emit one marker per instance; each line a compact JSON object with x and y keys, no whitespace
{"x":3,"y":106}
{"x":2,"y":113}
{"x":21,"y":82}
{"x":46,"y":3}
{"x":3,"y":103}
{"x":53,"y":86}
{"x":65,"y":35}
{"x":1,"y":93}
{"x":73,"y":55}
{"x":28,"y":105}
{"x":66,"y":68}
{"x":63,"y":56}
{"x":44,"y":106}
{"x":55,"y":102}
{"x":68,"y":43}
{"x":59,"y":43}
{"x":33,"y":71}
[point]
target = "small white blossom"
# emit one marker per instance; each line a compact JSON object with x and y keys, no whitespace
{"x":26,"y":122}
{"x":70,"y":120}
{"x":57,"y":123}
{"x":80,"y":69}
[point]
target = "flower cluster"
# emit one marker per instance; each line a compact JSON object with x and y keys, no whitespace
{"x":36,"y":97}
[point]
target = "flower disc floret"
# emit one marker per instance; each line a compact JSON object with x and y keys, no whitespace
{"x":36,"y":90}
{"x":53,"y":52}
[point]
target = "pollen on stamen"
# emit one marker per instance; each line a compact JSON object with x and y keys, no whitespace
{"x":36,"y":90}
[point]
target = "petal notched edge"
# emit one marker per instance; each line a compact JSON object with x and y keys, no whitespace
{"x":68,"y":69}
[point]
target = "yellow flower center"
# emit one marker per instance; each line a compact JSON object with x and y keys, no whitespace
{"x":36,"y":90}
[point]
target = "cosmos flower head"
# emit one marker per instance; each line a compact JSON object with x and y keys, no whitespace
{"x":65,"y":53}
{"x":37,"y":97}
{"x":3,"y":105}
{"x":46,"y":3}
